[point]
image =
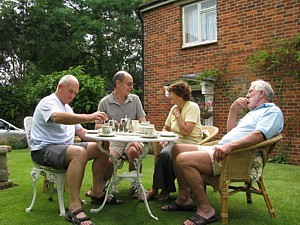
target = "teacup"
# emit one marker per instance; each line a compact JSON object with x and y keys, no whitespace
{"x":149,"y":131}
{"x":106,"y":130}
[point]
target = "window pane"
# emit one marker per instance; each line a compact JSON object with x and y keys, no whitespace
{"x":208,"y":26}
{"x":208,"y":4}
{"x":191,"y":24}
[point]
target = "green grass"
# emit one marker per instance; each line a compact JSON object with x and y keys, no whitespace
{"x":282,"y":183}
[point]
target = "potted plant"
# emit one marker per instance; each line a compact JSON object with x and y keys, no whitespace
{"x":206,"y":110}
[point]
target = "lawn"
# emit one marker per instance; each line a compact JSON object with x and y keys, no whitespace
{"x":282,"y":183}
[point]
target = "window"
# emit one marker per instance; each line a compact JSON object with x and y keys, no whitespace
{"x":199,"y":23}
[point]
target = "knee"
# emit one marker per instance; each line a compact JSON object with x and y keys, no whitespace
{"x":181,"y":161}
{"x":132,"y":153}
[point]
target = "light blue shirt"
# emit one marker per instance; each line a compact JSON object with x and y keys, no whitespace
{"x":45,"y":132}
{"x":267,"y":118}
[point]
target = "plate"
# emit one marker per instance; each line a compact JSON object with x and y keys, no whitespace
{"x":149,"y":136}
{"x":107,"y":135}
{"x":93,"y":131}
{"x":167,"y":134}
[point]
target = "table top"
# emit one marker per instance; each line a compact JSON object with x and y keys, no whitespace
{"x":130,"y":137}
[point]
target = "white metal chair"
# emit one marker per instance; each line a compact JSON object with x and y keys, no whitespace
{"x":53,"y":175}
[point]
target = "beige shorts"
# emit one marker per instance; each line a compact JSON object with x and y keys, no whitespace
{"x":216,"y":166}
{"x":119,"y":147}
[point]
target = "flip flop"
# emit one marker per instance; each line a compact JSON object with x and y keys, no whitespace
{"x":72,"y":217}
{"x":199,"y":220}
{"x":174,"y":206}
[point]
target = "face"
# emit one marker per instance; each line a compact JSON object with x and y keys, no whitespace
{"x":254,"y":98}
{"x":67,"y":92}
{"x":126,"y":85}
{"x":173,"y":97}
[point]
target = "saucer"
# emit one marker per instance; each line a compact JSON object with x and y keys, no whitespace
{"x":149,"y":136}
{"x":167,"y":134}
{"x":93,"y":131}
{"x":107,"y":135}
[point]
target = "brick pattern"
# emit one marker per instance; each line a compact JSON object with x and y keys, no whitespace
{"x":243,"y":26}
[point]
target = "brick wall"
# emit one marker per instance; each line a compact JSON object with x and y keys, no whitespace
{"x":243,"y":26}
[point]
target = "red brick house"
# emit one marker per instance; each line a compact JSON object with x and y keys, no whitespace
{"x":186,"y":37}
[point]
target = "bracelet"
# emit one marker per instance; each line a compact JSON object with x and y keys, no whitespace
{"x":177,"y":116}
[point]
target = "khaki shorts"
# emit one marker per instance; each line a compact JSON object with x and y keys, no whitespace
{"x":119,"y":147}
{"x":216,"y":166}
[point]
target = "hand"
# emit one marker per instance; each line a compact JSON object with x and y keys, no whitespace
{"x":164,"y":143}
{"x":240,"y":103}
{"x":176,"y":111}
{"x":220,"y":152}
{"x":98,"y":116}
{"x":137,"y":146}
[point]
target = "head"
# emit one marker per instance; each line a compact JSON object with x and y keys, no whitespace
{"x":181,"y":89}
{"x":67,"y":88}
{"x":123,"y":82}
{"x":259,"y":92}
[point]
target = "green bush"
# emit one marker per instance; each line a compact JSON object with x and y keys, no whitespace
{"x":14,"y":142}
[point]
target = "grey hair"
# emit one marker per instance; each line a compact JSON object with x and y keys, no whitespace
{"x":119,"y":76}
{"x":261,"y":85}
{"x":65,"y":79}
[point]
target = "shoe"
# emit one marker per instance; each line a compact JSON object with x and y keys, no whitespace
{"x":151,"y":194}
{"x":110,"y":200}
{"x":199,"y":220}
{"x":163,"y":196}
{"x":72,"y":217}
{"x":174,"y":206}
{"x":133,"y":192}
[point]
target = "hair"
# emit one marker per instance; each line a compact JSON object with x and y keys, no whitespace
{"x":261,"y":85}
{"x":65,"y":79}
{"x":181,"y":89}
{"x":119,"y":76}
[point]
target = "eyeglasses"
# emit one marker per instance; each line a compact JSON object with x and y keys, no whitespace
{"x":129,"y":84}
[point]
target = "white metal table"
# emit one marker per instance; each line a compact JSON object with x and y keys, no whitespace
{"x":133,"y":175}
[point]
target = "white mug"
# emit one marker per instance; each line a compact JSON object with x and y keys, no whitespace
{"x":106,"y":129}
{"x":150,"y":131}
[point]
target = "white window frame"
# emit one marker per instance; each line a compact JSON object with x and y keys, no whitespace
{"x":198,"y":34}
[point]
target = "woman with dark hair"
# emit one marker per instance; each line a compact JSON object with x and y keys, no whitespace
{"x":184,"y":120}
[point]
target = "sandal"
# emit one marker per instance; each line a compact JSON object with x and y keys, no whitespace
{"x":174,"y":206}
{"x":200,"y":220}
{"x":133,"y":192}
{"x":72,"y":217}
{"x":163,"y":196}
{"x":151,"y":194}
{"x":110,"y":200}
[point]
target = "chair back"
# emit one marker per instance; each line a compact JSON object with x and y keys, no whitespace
{"x":28,"y":126}
{"x":212,"y":131}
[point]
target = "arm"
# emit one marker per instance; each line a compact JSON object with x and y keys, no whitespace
{"x":233,"y":112}
{"x":185,"y":128}
{"x":70,"y":118}
{"x":250,"y":139}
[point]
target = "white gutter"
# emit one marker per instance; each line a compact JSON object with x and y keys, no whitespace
{"x":158,"y":5}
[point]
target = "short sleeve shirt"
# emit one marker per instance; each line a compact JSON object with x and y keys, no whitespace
{"x":132,"y":107}
{"x":267,"y":118}
{"x":189,"y":113}
{"x":45,"y":132}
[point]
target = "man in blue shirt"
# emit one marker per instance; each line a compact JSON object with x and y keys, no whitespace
{"x":263,"y":121}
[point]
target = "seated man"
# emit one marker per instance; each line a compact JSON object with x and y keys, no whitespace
{"x":263,"y":121}
{"x":117,"y":105}
{"x":52,"y":143}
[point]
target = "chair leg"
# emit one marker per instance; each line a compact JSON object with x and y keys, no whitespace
{"x":35,"y":174}
{"x":224,"y":204}
{"x":45,"y":184}
{"x":60,"y":193}
{"x":266,"y":197}
{"x":248,"y":192}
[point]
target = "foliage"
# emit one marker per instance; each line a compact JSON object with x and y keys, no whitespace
{"x":210,"y":74}
{"x":43,"y":36}
{"x":91,"y":89}
{"x":14,"y":142}
{"x":280,"y":58}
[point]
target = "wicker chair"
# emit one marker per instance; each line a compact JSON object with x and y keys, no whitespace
{"x":236,"y":167}
{"x":209,"y":133}
{"x":53,"y":175}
